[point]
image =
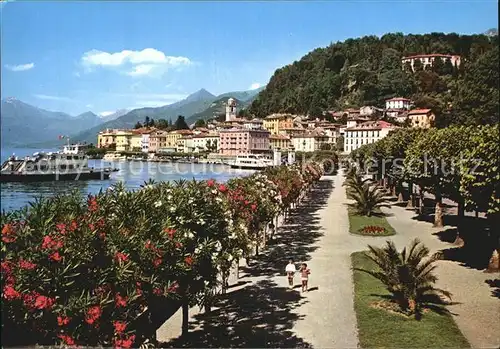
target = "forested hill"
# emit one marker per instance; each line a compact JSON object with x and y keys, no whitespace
{"x":368,"y":70}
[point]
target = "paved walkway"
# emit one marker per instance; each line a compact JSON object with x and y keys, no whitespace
{"x":259,"y":311}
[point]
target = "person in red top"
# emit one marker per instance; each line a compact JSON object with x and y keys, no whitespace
{"x":304,"y":275}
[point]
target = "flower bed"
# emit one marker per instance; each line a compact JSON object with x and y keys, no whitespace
{"x":80,"y":270}
{"x":373,"y":230}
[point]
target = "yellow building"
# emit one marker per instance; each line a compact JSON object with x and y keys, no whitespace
{"x":279,"y":142}
{"x":286,"y":122}
{"x":106,"y":139}
{"x":174,"y":136}
{"x":423,"y":118}
{"x":276,"y":122}
{"x":124,"y":140}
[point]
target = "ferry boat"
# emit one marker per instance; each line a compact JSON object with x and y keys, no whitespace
{"x":251,"y":162}
{"x":114,"y":157}
{"x":69,"y":164}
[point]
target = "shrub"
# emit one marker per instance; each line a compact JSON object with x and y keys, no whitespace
{"x":373,"y":230}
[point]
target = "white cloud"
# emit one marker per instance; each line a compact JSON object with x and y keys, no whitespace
{"x":20,"y":67}
{"x":53,"y":98}
{"x":148,"y":62}
{"x":255,"y":86}
{"x":106,"y":113}
{"x":89,"y":105}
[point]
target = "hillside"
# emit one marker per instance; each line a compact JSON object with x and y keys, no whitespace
{"x":23,"y":123}
{"x":368,"y":70}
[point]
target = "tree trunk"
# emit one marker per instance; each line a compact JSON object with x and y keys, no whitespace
{"x":410,"y":198}
{"x":461,"y":214}
{"x":238,"y":268}
{"x":185,"y":315}
{"x":421,"y":203}
{"x":393,"y":190}
{"x":438,"y":212}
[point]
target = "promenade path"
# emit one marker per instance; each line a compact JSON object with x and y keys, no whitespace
{"x":259,"y":311}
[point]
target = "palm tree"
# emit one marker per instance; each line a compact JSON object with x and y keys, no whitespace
{"x":368,"y":199}
{"x":354,"y":180}
{"x":408,"y":275}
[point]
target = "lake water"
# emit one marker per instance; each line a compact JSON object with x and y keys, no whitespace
{"x":132,"y":173}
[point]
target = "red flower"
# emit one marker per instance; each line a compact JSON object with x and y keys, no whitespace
{"x":170,"y":232}
{"x":222,"y":188}
{"x":124,"y":343}
{"x":102,"y":235}
{"x":10,"y":293}
{"x":157,"y":291}
{"x":92,"y":204}
{"x":210,"y":182}
{"x":253,"y":207}
{"x":73,"y":226}
{"x":157,"y":262}
{"x":8,"y":233}
{"x":63,"y":320}
{"x":56,"y":257}
{"x":49,"y":243}
{"x":5,"y":267}
{"x":29,"y":299}
{"x":101,"y":223}
{"x":120,"y":301}
{"x":91,"y":226}
{"x":119,"y":326}
{"x":178,"y":245}
{"x":61,"y":228}
{"x":121,"y":257}
{"x":27,"y":265}
{"x":66,"y":339}
{"x":43,"y":302}
{"x":93,"y":314}
{"x":188,"y":260}
{"x":148,"y":245}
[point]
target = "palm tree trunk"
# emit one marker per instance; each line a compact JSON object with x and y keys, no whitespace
{"x":185,"y":314}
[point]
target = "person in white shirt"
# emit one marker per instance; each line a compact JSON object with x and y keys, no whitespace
{"x":290,"y":272}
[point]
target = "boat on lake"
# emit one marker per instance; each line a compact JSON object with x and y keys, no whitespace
{"x":69,"y":164}
{"x":251,"y":162}
{"x":114,"y":157}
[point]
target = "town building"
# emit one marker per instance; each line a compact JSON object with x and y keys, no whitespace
{"x":353,"y":121}
{"x":274,"y":122}
{"x":365,"y":133}
{"x":237,"y":141}
{"x":398,"y":103}
{"x":185,"y":144}
{"x":254,"y":124}
{"x":428,"y":60}
{"x":127,"y":140}
{"x":157,"y":141}
{"x":280,"y":142}
{"x":423,"y":118}
{"x":107,"y":138}
{"x":206,"y":142}
{"x":309,"y":142}
{"x":292,"y":131}
{"x":173,"y":137}
{"x":231,"y":109}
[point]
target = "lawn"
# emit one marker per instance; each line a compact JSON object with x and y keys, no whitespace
{"x":357,"y":222}
{"x":380,"y":329}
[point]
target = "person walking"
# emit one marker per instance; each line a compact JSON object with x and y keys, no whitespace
{"x":290,"y":272}
{"x":304,"y":276}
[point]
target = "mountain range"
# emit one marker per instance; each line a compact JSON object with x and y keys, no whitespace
{"x":23,"y":125}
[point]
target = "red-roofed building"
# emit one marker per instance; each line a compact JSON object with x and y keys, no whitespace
{"x":423,"y":118}
{"x":365,"y":133}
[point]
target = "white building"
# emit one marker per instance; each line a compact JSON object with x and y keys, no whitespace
{"x":231,"y":110}
{"x":309,"y":142}
{"x":254,"y":124}
{"x":206,"y":142}
{"x":185,"y":144}
{"x":429,"y":59}
{"x":398,"y":103}
{"x":365,"y":133}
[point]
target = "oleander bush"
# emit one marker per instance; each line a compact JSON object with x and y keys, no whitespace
{"x":81,"y":270}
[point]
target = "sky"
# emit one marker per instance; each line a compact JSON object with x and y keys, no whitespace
{"x":103,"y":56}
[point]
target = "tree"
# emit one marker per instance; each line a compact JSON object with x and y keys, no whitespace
{"x":477,"y":98}
{"x":162,"y":124}
{"x":180,"y":123}
{"x":152,"y":123}
{"x":407,"y":275}
{"x":137,"y":125}
{"x":147,"y":122}
{"x":200,"y":123}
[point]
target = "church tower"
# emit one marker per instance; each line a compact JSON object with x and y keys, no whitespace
{"x":230,"y":110}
